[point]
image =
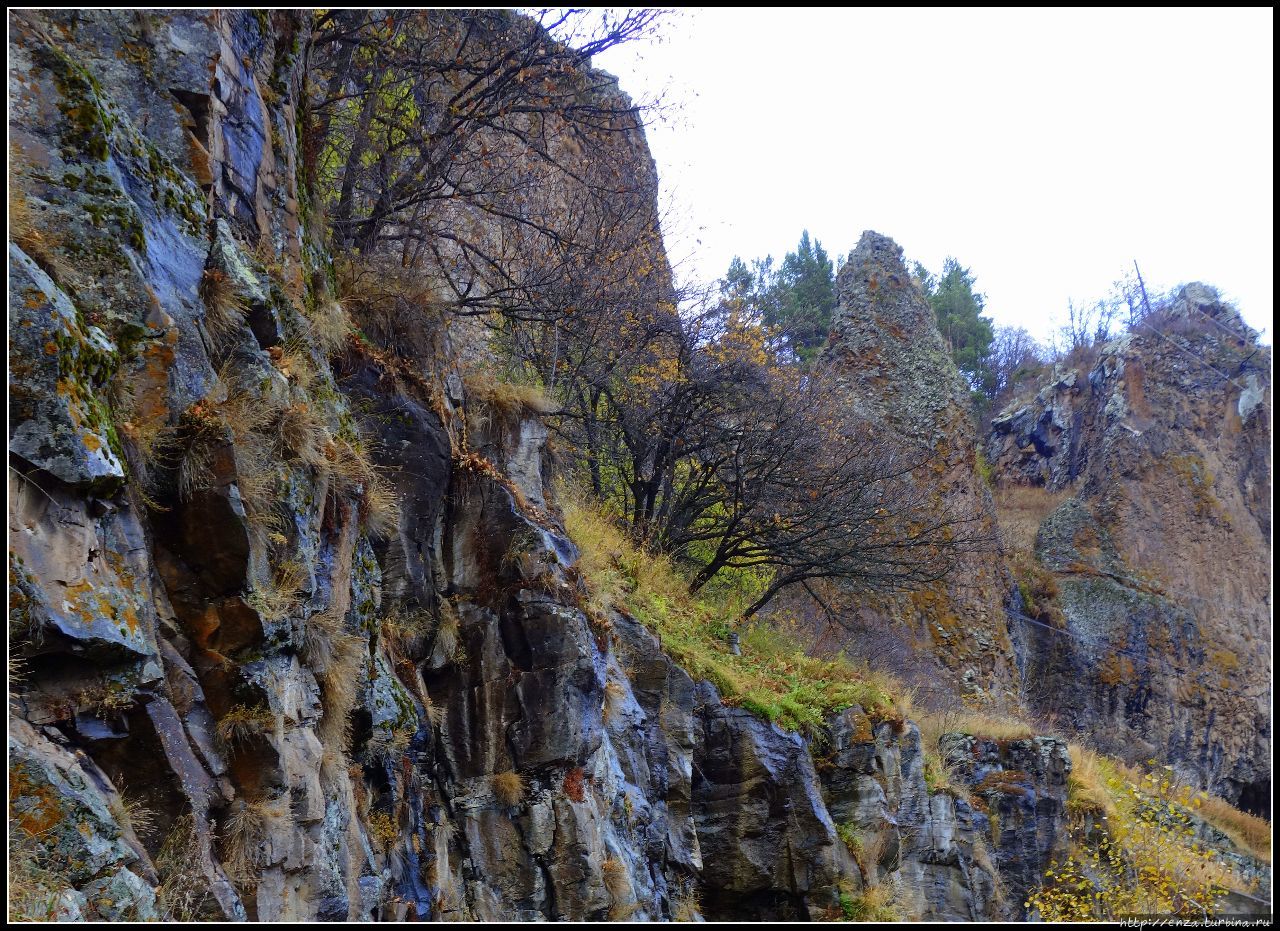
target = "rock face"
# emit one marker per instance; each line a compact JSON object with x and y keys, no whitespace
{"x":1160,"y":554}
{"x":899,"y":374}
{"x":946,"y":854}
{"x":296,"y":639}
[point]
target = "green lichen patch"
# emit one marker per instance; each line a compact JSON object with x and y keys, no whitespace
{"x":63,"y":425}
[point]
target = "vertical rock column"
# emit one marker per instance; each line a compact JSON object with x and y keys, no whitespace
{"x":898,"y":373}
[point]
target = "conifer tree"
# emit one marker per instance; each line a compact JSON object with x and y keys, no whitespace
{"x":806,"y":297}
{"x":958,"y":309}
{"x":797,"y":299}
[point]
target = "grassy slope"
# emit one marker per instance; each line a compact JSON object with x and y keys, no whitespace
{"x":773,"y":677}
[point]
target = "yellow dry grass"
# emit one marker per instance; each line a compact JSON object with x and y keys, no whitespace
{"x":224,"y":308}
{"x":447,"y":630}
{"x":339,"y":687}
{"x":279,"y":596}
{"x":241,"y":839}
{"x":508,"y":788}
{"x":685,"y":907}
{"x":506,"y":401}
{"x":43,"y":246}
{"x":616,"y":878}
{"x":243,"y":723}
{"x":183,"y":893}
{"x":614,"y":693}
{"x":330,"y":326}
{"x":349,"y":466}
{"x":1020,"y":510}
{"x":1249,"y":832}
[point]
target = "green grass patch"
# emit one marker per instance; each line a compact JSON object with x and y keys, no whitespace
{"x":772,"y":678}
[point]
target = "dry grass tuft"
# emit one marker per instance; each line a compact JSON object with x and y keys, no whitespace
{"x":879,"y":903}
{"x":339,"y":687}
{"x":623,"y":911}
{"x":330,"y":327}
{"x":866,"y":847}
{"x":183,"y":893}
{"x":133,"y":814}
{"x":35,"y":881}
{"x":242,"y":425}
{"x":318,"y":636}
{"x":508,"y":789}
{"x":402,"y":310}
{"x":433,"y":713}
{"x":1087,"y":789}
{"x":242,"y":837}
{"x":983,"y":859}
{"x":224,"y":308}
{"x":390,"y":744}
{"x":614,"y":694}
{"x":1249,"y":832}
{"x":491,"y":400}
{"x":242,"y":724}
{"x":107,"y":700}
{"x":294,"y":361}
{"x":281,"y":596}
{"x":448,"y":629}
{"x":403,"y":632}
{"x":381,"y":508}
{"x":303,"y":434}
{"x":617,"y":879}
{"x":257,"y":479}
{"x":382,"y":829}
{"x":976,"y":724}
{"x":346,"y":464}
{"x":352,"y":473}
{"x":42,"y":246}
{"x":685,"y":906}
{"x":202,"y":431}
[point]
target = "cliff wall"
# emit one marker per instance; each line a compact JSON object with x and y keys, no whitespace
{"x":297,"y":632}
{"x":1159,"y":550}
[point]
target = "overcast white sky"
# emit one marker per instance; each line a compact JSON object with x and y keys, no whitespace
{"x":1046,"y":150}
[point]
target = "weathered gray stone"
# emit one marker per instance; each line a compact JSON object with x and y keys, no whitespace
{"x":57,"y":369}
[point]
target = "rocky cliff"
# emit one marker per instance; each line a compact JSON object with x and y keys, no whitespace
{"x":1158,"y":553}
{"x":292,"y":640}
{"x":297,"y":631}
{"x":898,"y":372}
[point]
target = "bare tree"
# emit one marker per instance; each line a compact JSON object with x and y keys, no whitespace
{"x":1014,"y":351}
{"x":724,"y":456}
{"x":417,"y":108}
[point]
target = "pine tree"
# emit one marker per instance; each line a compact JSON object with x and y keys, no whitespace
{"x":806,"y":298}
{"x":959,"y":313}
